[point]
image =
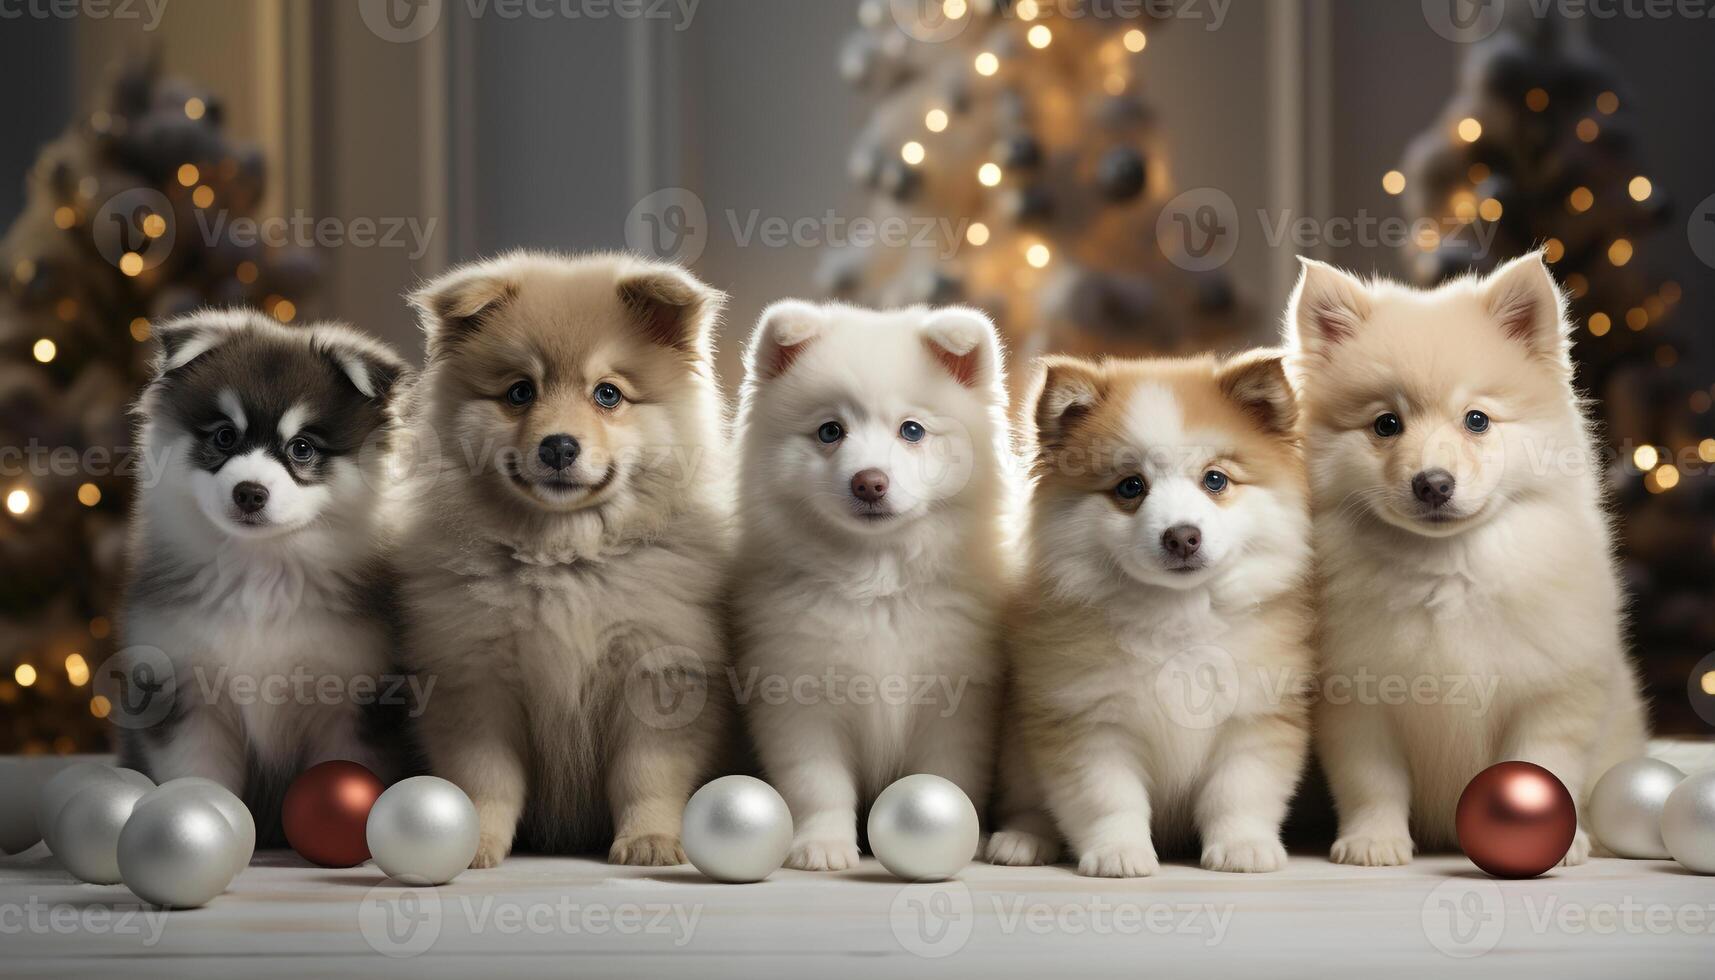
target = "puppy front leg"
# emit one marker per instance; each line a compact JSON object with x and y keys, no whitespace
{"x":805,"y":757}
{"x":475,"y":739}
{"x":1371,"y":782}
{"x":1555,"y":733}
{"x":1098,"y":796}
{"x":1256,"y":764}
{"x":207,"y":741}
{"x":1024,"y":832}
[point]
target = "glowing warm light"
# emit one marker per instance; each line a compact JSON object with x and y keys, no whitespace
{"x":64,"y":217}
{"x":25,"y":675}
{"x":203,"y":196}
{"x":131,"y":264}
{"x":1600,"y":325}
{"x":140,"y":329}
{"x":935,"y":121}
{"x":1536,"y":99}
{"x":1464,"y":205}
{"x":1620,"y":252}
{"x":987,"y":63}
{"x":195,"y":108}
{"x":1706,"y":449}
{"x":77,"y":670}
{"x":912,"y":153}
{"x":1700,"y":403}
{"x":1114,"y":82}
{"x":1037,"y":255}
{"x":100,"y":627}
{"x":1708,"y":683}
{"x":19,"y":501}
{"x":44,"y":350}
{"x":1645,"y":458}
{"x":66,"y":309}
{"x":954,"y":9}
{"x":1670,"y":291}
{"x":1639,"y":188}
{"x":1666,"y":476}
{"x":1393,"y":182}
{"x":1135,"y":40}
{"x":246,"y":272}
{"x":100,"y":707}
{"x":189,"y":175}
{"x":989,"y":174}
{"x":1039,"y":36}
{"x":1478,"y":173}
{"x":977,"y":234}
{"x":1577,"y":285}
{"x":1588,"y":130}
{"x":154,"y":226}
{"x":1607,"y":103}
{"x":1637,"y":318}
{"x":1666,"y":356}
{"x":1470,"y":130}
{"x":1581,"y":199}
{"x":1553,"y":250}
{"x":88,"y":494}
{"x":1490,"y":209}
{"x":1428,"y":238}
{"x":1027,"y":10}
{"x":285,"y":310}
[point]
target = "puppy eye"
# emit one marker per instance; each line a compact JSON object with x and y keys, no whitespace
{"x":1215,"y":481}
{"x":607,"y":396}
{"x":300,"y":450}
{"x":830,"y":433}
{"x":225,"y":438}
{"x":1130,"y":488}
{"x":520,"y":394}
{"x":911,"y":431}
{"x":1388,"y":425}
{"x":1476,"y":421}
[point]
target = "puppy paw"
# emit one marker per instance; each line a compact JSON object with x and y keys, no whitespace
{"x":646,"y":850}
{"x":1119,"y":861}
{"x":822,"y":855}
{"x":1372,"y":852}
{"x":1579,"y":852}
{"x":1244,"y":856}
{"x":491,"y":849}
{"x":1021,"y":848}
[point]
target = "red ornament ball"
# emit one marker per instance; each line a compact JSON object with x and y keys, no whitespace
{"x":1516,"y":820}
{"x":326,"y":813}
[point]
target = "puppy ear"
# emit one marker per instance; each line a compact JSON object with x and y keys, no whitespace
{"x":673,"y":308}
{"x":784,"y":331}
{"x":453,"y":306}
{"x":1257,"y":382}
{"x":371,"y":367}
{"x":963,"y":341}
{"x":184,"y":340}
{"x":1522,"y":296}
{"x":1327,"y":307}
{"x":1067,"y":391}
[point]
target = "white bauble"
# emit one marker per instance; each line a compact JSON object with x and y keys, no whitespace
{"x":87,"y":830}
{"x":65,"y":783}
{"x":230,"y":806}
{"x":177,"y":852}
{"x":737,"y":829}
{"x":923,"y":828}
{"x":1625,"y":807}
{"x":1688,"y":823}
{"x":20,"y":789}
{"x":423,"y":831}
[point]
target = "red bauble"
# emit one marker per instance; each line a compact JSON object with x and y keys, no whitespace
{"x":326,"y":813}
{"x":1516,"y":820}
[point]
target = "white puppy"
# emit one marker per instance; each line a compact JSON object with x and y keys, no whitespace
{"x":873,"y":486}
{"x":1464,"y":554}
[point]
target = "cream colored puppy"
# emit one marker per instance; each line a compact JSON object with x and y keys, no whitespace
{"x":1470,"y":609}
{"x":1160,"y":655}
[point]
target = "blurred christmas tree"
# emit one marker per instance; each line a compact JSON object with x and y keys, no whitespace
{"x":1535,"y":151}
{"x":108,"y":243}
{"x":1017,"y":130}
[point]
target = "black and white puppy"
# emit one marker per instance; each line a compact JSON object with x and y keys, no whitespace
{"x":257,"y":617}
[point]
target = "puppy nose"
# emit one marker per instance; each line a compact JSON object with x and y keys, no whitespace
{"x":250,"y":497}
{"x":1181,"y":540}
{"x":870,"y":486}
{"x":558,"y":452}
{"x":1433,"y":487}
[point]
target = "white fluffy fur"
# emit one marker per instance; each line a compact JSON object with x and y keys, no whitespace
{"x":830,"y":604}
{"x":1518,"y":594}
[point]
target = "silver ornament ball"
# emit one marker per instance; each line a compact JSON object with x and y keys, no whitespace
{"x":1625,"y":807}
{"x":20,"y":788}
{"x":1688,"y":823}
{"x":65,"y":784}
{"x":923,"y":828}
{"x":737,"y":829}
{"x":88,"y":827}
{"x":423,"y":831}
{"x":237,"y":815}
{"x":177,"y":852}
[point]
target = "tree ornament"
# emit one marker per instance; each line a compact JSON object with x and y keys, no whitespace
{"x":1516,"y":820}
{"x":238,"y":816}
{"x":326,"y":813}
{"x":423,"y":831}
{"x":88,"y":827}
{"x":923,"y":828}
{"x":737,"y":829}
{"x":1625,"y":807}
{"x":1688,"y":823}
{"x":1120,"y":173}
{"x":176,"y":852}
